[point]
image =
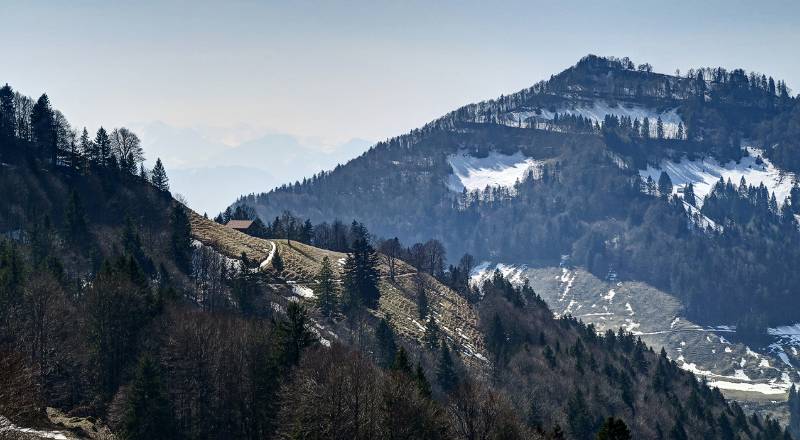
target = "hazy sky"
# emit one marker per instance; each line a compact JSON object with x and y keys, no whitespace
{"x":339,"y":70}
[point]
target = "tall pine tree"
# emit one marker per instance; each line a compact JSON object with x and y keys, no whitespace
{"x":326,"y":289}
{"x":445,"y":370}
{"x":148,"y":414}
{"x":159,"y":177}
{"x":361,"y":275}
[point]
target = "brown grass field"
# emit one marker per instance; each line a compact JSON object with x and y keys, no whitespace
{"x":456,"y":318}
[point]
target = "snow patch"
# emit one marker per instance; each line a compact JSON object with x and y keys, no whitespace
{"x":704,"y":173}
{"x":629,"y":308}
{"x":515,"y":274}
{"x":7,"y":427}
{"x":496,"y":169}
{"x":305,"y":292}
{"x":596,"y":111}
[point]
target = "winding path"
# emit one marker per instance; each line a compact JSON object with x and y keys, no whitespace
{"x":264,"y":264}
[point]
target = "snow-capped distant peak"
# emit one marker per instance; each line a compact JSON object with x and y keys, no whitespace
{"x":494,"y":170}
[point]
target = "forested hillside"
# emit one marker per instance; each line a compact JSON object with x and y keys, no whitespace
{"x":129,"y":316}
{"x":564,"y":168}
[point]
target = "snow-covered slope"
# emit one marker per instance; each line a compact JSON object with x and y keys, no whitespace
{"x":658,"y":319}
{"x":705,"y":173}
{"x":596,"y":111}
{"x":496,"y":169}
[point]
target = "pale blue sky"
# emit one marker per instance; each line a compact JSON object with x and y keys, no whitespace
{"x":332,"y":71}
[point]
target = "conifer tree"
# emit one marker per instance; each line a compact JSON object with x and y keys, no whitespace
{"x":614,"y":429}
{"x":422,"y":304}
{"x":664,"y":185}
{"x":386,"y":345}
{"x":293,"y":334}
{"x":326,"y":289}
{"x":159,"y":176}
{"x":75,"y":219}
{"x":794,"y":411}
{"x":244,"y":289}
{"x":44,"y":129}
{"x":423,"y":385}
{"x":306,"y":232}
{"x":688,"y":195}
{"x":401,"y":362}
{"x":650,"y":186}
{"x":277,"y":261}
{"x":496,"y":338}
{"x":445,"y":370}
{"x":102,"y":143}
{"x":87,"y":147}
{"x":181,"y":237}
{"x":659,"y":128}
{"x":361,"y":275}
{"x":578,"y":416}
{"x":148,"y":414}
{"x":431,"y":336}
{"x":7,"y":115}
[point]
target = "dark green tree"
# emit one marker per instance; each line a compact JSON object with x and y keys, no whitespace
{"x":496,"y":340}
{"x":293,"y":334}
{"x":401,"y":362}
{"x":148,"y":414}
{"x":116,"y":308}
{"x":431,"y":336}
{"x":614,"y":429}
{"x":181,"y":237}
{"x":386,"y":344}
{"x":244,"y":289}
{"x":422,"y":382}
{"x":75,"y":227}
{"x":326,"y":289}
{"x":664,"y":185}
{"x":422,"y":304}
{"x":306,"y":232}
{"x":688,"y":195}
{"x":794,"y":411}
{"x":159,"y":176}
{"x":277,"y":261}
{"x":361,"y":275}
{"x":578,"y":416}
{"x":8,"y":117}
{"x":446,"y":375}
{"x":102,"y":144}
{"x":45,"y":135}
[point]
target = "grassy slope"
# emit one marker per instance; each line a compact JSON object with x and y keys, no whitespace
{"x":455,"y":316}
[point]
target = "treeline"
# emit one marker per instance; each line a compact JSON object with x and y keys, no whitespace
{"x":34,"y":130}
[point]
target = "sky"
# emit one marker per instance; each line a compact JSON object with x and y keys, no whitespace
{"x":330,"y":72}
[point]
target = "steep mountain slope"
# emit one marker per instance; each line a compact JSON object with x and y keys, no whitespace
{"x":621,"y":375}
{"x":561,"y":169}
{"x":110,"y":311}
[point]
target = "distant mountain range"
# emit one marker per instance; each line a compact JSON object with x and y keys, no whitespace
{"x":211,"y":167}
